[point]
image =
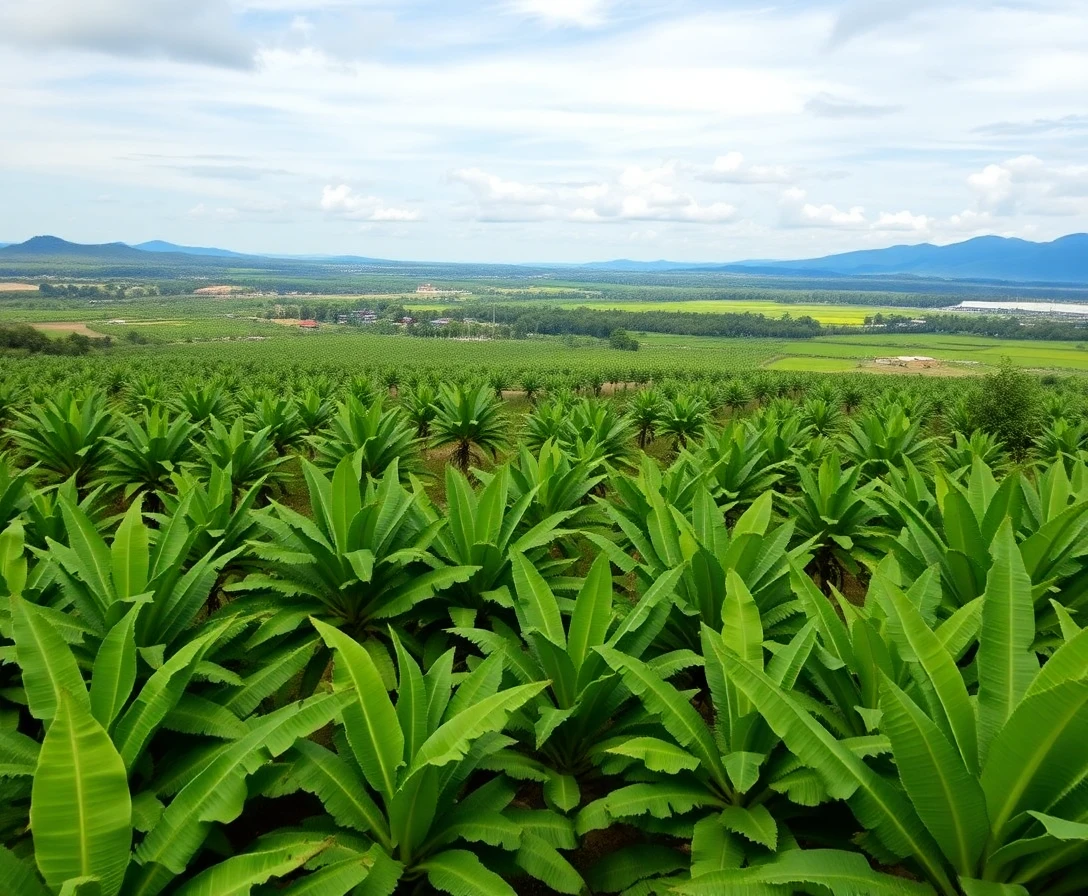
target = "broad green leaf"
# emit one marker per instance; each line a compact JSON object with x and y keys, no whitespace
{"x":947,"y":797}
{"x":80,"y":807}
{"x":625,"y":867}
{"x":840,"y":872}
{"x":713,"y":848}
{"x":940,"y":671}
{"x":754,"y":822}
{"x":371,"y":723}
{"x":129,"y":553}
{"x":18,"y":877}
{"x":114,"y":671}
{"x":337,"y":879}
{"x":461,"y":873}
{"x":48,"y":667}
{"x":271,"y":857}
{"x":1006,"y":662}
{"x":676,"y":714}
{"x":538,"y":604}
{"x":592,"y":612}
{"x":453,"y":739}
{"x":540,"y":859}
{"x":333,"y":781}
{"x":1038,"y":754}
{"x":657,"y":755}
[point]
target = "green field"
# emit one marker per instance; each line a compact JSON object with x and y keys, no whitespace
{"x":836,"y":315}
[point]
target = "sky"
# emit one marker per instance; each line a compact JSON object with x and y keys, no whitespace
{"x":543,"y":130}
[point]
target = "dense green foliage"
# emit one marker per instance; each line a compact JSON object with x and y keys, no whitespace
{"x":302,"y":628}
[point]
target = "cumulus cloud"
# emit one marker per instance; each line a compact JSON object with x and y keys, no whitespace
{"x":829,"y":105}
{"x":732,"y":168}
{"x":341,"y":201}
{"x":797,"y":211}
{"x":1027,"y":184}
{"x":201,"y":31}
{"x":557,"y":13}
{"x":637,"y":194}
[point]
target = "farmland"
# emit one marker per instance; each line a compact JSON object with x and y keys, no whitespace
{"x":393,"y":607}
{"x":598,"y":621}
{"x":839,"y":315}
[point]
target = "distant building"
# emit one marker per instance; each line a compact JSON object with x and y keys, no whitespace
{"x":427,"y":289}
{"x":440,"y":322}
{"x":308,"y":325}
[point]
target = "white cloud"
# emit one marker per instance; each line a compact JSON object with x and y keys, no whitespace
{"x":1027,"y":184}
{"x":636,"y":194}
{"x":202,"y":31}
{"x":797,"y":211}
{"x":579,"y":13}
{"x":903,"y":221}
{"x":343,"y":202}
{"x":733,"y":169}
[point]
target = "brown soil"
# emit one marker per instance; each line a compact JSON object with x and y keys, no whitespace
{"x":67,"y":327}
{"x":18,"y":287}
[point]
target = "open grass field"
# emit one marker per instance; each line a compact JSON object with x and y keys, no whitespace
{"x":18,"y":287}
{"x":985,"y":352}
{"x":836,"y":315}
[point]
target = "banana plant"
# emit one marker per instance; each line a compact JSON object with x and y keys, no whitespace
{"x":735,"y":466}
{"x":408,"y":776}
{"x":556,"y":483}
{"x":420,"y":405}
{"x":709,"y":770}
{"x":14,"y":491}
{"x":683,"y":418}
{"x":101,"y":582}
{"x":645,"y":410}
{"x":582,"y":705}
{"x":836,"y":516}
{"x":250,"y":457}
{"x":202,"y":401}
{"x":880,"y":441}
{"x":147,"y":452}
{"x":279,"y":415}
{"x":314,"y":410}
{"x":960,"y":455}
{"x":218,"y":520}
{"x":664,"y":537}
{"x":1049,"y":516}
{"x":65,"y":436}
{"x":364,"y":559}
{"x":375,"y":434}
{"x":483,"y":530}
{"x":96,"y":815}
{"x":471,"y":420}
{"x":983,"y":796}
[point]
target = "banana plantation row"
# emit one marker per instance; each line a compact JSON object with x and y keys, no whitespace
{"x":340,"y":635}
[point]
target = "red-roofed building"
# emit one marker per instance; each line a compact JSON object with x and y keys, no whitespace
{"x":308,"y":325}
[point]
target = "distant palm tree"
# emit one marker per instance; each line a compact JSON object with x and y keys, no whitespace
{"x":471,"y":419}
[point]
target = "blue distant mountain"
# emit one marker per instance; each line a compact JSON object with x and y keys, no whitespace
{"x":161,"y":246}
{"x":1064,"y":260}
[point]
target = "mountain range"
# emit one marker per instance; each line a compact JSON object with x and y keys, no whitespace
{"x":986,"y":258}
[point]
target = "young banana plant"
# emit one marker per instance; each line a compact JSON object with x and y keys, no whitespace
{"x":65,"y":436}
{"x":377,"y":435}
{"x":712,"y":770}
{"x":105,"y":806}
{"x":364,"y":558}
{"x":837,"y":516}
{"x":250,"y":457}
{"x":985,"y":794}
{"x":483,"y":530}
{"x":148,"y":451}
{"x":409,"y":776}
{"x":663,"y":538}
{"x":581,"y":705}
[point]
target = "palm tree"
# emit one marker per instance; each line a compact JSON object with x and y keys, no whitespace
{"x":645,"y":412}
{"x":470,"y":418}
{"x":684,"y":418}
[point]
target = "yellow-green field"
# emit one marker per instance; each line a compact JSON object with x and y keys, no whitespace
{"x":837,"y":315}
